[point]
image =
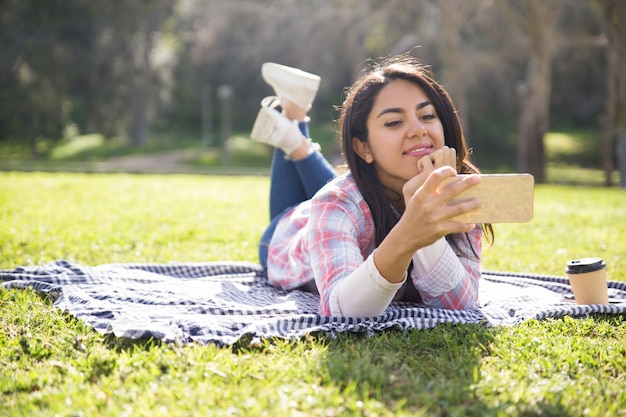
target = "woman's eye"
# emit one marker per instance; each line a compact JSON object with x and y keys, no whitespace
{"x":392,"y":123}
{"x":429,"y":116}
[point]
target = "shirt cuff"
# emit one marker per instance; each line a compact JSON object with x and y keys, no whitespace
{"x":365,"y":292}
{"x":436,"y":269}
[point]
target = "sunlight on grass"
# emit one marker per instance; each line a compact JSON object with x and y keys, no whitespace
{"x":14,"y":151}
{"x":567,"y":174}
{"x":561,"y":143}
{"x":71,"y":147}
{"x":127,"y":218}
{"x":579,"y":148}
{"x":242,"y":153}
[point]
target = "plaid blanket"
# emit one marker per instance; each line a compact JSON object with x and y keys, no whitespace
{"x":220,"y":302}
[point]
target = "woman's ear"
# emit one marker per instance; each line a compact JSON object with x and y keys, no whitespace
{"x":363,"y":150}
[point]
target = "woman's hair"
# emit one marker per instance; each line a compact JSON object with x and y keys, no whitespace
{"x":355,"y":110}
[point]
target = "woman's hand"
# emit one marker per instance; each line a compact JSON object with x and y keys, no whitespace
{"x":426,"y":219}
{"x":428,"y":213}
{"x":443,"y":156}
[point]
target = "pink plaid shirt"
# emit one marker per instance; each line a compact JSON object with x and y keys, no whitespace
{"x":328,"y":237}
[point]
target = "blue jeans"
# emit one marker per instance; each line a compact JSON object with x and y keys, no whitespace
{"x":291,"y":183}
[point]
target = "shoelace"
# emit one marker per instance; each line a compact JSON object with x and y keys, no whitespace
{"x":271,"y":102}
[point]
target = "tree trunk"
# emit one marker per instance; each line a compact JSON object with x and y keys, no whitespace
{"x":452,"y":15}
{"x":620,"y":23}
{"x":153,"y":14}
{"x":32,"y":140}
{"x":614,"y":15}
{"x":139,"y":109}
{"x":535,"y":113}
{"x":612,"y":59}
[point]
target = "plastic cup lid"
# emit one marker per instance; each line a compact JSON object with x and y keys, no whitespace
{"x":580,"y":266}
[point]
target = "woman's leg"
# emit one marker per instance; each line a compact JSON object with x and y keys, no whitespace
{"x":294,"y":181}
{"x":314,"y":172}
{"x":286,"y":189}
{"x":295,"y":91}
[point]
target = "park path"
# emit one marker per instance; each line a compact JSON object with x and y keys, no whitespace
{"x":173,"y":162}
{"x":170,"y":161}
{"x":167,"y":162}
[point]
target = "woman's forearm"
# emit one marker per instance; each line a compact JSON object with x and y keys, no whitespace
{"x":365,"y":293}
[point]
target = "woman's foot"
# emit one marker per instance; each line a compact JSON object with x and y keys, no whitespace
{"x":291,"y":84}
{"x":295,"y":90}
{"x":273,"y":128}
{"x":292,"y":111}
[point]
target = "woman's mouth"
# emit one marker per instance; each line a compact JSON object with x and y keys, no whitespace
{"x":419,"y":150}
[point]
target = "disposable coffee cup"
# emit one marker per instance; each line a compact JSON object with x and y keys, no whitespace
{"x":587,"y":277}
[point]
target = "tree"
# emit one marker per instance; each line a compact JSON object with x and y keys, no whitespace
{"x":453,"y":70}
{"x":60,"y":65}
{"x":100,"y":65}
{"x":40,"y":66}
{"x":538,"y":20}
{"x":150,"y":16}
{"x":614,"y":17}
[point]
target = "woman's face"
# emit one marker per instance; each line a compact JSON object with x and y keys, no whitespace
{"x":403,"y":127}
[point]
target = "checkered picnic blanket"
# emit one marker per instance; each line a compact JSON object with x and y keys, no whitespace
{"x":220,"y":302}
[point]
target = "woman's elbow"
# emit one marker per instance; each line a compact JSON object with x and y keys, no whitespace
{"x":465,"y":298}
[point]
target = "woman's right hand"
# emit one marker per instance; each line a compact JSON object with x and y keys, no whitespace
{"x":428,"y":213}
{"x":427,"y":218}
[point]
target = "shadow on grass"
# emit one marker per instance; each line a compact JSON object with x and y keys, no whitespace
{"x":432,"y":370}
{"x":435,"y":372}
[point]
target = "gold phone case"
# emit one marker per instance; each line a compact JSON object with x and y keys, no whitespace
{"x":506,"y":198}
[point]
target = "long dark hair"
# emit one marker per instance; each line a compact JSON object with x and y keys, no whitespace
{"x":356,"y":107}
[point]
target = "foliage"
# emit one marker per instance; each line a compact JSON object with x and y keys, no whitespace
{"x":116,"y":69}
{"x":52,"y":364}
{"x":70,"y":64}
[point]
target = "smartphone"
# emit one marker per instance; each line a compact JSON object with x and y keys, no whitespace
{"x":506,"y":198}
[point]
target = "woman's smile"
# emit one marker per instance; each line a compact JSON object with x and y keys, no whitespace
{"x":419,"y":150}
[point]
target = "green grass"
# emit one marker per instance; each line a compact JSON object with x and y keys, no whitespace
{"x":51,"y":364}
{"x":582,"y":147}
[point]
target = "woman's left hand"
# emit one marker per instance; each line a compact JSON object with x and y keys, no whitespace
{"x":443,"y":156}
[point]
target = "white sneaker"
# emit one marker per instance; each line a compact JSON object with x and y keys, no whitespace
{"x":291,"y":84}
{"x":273,"y":128}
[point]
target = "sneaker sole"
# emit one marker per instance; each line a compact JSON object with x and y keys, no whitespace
{"x":270,"y":71}
{"x":292,"y":78}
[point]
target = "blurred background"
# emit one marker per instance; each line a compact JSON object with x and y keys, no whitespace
{"x":540,"y":85}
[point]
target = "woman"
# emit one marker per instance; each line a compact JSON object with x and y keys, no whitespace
{"x":383,"y":230}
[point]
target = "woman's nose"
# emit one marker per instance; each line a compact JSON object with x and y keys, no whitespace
{"x":417,"y":128}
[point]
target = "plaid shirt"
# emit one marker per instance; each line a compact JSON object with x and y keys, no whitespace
{"x":328,"y":237}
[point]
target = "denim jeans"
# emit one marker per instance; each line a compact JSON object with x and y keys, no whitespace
{"x":291,"y":183}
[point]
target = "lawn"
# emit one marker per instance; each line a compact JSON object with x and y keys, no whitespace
{"x":51,"y":364}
